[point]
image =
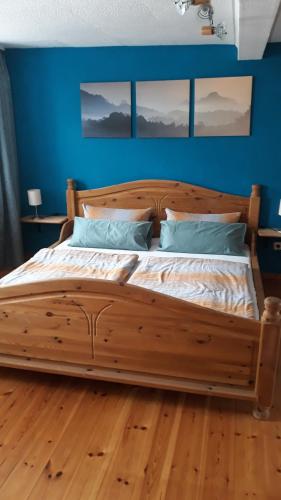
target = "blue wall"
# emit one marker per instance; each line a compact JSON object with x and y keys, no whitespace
{"x":45,"y":85}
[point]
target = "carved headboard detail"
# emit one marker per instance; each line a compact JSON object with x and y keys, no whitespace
{"x":160,"y":194}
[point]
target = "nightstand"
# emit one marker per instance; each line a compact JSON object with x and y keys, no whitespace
{"x":44,"y":238}
{"x":48,"y":219}
{"x":274,"y":234}
{"x":269,"y":233}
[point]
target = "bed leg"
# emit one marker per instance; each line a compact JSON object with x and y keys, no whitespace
{"x":261,"y":413}
{"x":268,"y":357}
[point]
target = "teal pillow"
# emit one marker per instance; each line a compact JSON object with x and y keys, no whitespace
{"x":202,"y":237}
{"x":116,"y":235}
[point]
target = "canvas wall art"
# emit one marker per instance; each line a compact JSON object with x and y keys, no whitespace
{"x":223,"y":106}
{"x":106,"y":109}
{"x":163,"y":108}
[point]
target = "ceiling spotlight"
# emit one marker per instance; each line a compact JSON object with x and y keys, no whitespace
{"x":182,"y":6}
{"x":219,"y":30}
{"x":205,"y":12}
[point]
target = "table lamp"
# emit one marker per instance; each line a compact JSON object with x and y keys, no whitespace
{"x":34,"y":200}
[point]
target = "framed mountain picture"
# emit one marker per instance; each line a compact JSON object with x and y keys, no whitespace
{"x":106,"y":109}
{"x":163,"y":108}
{"x":223,"y":106}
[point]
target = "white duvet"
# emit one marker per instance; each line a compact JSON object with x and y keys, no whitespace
{"x":66,"y":263}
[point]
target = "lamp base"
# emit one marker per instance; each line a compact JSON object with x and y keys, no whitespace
{"x":37,"y":217}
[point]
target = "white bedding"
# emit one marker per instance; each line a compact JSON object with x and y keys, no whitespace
{"x":68,"y":263}
{"x":153,"y":252}
{"x":158,"y":253}
{"x":27,"y":272}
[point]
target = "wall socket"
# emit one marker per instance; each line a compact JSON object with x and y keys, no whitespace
{"x":277,"y":245}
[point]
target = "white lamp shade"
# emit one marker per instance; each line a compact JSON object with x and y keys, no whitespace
{"x":34,"y":197}
{"x":279,"y":211}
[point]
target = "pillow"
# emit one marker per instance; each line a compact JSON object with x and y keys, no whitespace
{"x":117,"y":235}
{"x":126,"y":214}
{"x":202,"y":237}
{"x":226,"y":218}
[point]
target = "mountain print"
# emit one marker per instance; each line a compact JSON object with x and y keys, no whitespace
{"x":214,"y":101}
{"x":162,"y":108}
{"x":154,"y":128}
{"x":225,"y":111}
{"x":106,"y":109}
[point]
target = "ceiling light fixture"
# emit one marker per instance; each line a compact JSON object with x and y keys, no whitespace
{"x":219,"y":30}
{"x":182,"y":6}
{"x":205,"y":12}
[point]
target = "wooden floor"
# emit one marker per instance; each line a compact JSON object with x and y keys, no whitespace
{"x":272,"y":285}
{"x":70,"y":439}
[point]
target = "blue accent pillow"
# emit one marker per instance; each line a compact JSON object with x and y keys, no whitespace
{"x":116,"y":235}
{"x":202,"y":237}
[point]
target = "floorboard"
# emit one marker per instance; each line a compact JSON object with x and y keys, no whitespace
{"x":70,"y":439}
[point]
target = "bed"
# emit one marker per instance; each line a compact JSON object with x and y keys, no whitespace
{"x":125,"y":332}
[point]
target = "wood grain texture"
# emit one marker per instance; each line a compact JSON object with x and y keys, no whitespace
{"x":71,"y":439}
{"x":269,"y":233}
{"x":66,"y":232}
{"x":258,"y":282}
{"x":99,"y":329}
{"x":161,"y":194}
{"x":45,"y":219}
{"x":269,"y":353}
{"x":104,"y":325}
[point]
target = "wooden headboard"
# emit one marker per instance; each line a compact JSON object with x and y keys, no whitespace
{"x":161,"y":194}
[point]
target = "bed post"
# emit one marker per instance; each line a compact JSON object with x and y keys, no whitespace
{"x":254,"y":208}
{"x":253,"y":217}
{"x":70,"y":198}
{"x":253,"y":224}
{"x":268,"y":358}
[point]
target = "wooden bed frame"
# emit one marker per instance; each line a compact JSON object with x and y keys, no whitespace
{"x":123,"y":333}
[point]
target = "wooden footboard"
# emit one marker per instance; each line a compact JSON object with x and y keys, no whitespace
{"x":99,"y":329}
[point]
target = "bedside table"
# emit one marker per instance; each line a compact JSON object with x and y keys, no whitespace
{"x":269,"y":233}
{"x":274,"y":234}
{"x":48,"y":219}
{"x":52,"y":228}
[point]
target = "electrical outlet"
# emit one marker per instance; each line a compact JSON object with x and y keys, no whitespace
{"x":277,"y":245}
